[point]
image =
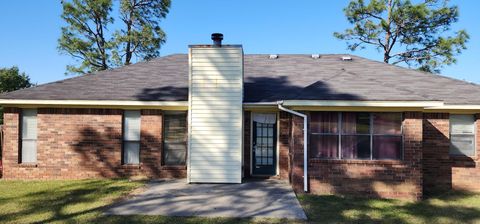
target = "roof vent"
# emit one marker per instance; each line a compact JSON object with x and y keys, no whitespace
{"x":273,"y":56}
{"x":217,"y":39}
{"x":346,"y":58}
{"x":315,"y":56}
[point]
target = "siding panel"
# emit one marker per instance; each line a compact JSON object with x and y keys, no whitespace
{"x":215,"y":125}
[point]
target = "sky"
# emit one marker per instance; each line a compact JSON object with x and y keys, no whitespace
{"x":29,"y":30}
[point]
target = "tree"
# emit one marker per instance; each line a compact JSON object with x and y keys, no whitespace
{"x":87,"y":36}
{"x":142,"y":35}
{"x":84,"y":37}
{"x":418,"y":35}
{"x":11,"y":79}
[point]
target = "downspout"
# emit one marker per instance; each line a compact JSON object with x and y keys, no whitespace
{"x":305,"y":156}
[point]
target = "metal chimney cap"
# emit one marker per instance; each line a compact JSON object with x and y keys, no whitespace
{"x":217,"y":39}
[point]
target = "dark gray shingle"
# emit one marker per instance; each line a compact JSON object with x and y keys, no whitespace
{"x":286,"y":78}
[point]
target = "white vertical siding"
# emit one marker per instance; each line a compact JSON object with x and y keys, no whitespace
{"x":215,"y":115}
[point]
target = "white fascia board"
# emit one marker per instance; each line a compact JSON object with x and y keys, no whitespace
{"x":93,"y":102}
{"x":355,"y":103}
{"x":454,"y":107}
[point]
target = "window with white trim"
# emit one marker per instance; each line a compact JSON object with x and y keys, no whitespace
{"x":462,"y":134}
{"x":29,"y":136}
{"x":131,"y":137}
{"x":350,"y":135}
{"x":175,"y":138}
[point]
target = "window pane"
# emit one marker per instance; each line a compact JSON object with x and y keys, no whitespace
{"x":175,"y":153}
{"x":355,"y":123}
{"x":175,"y":139}
{"x":355,"y":147}
{"x":29,"y":136}
{"x":131,"y":125}
{"x":387,"y":123}
{"x":131,"y":152}
{"x":462,"y":124}
{"x":29,"y":124}
{"x":462,"y":145}
{"x":387,"y":147}
{"x":324,"y":146}
{"x":29,"y":151}
{"x":324,"y":122}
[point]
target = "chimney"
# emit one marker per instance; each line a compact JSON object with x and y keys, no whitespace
{"x":217,"y":39}
{"x":215,"y":112}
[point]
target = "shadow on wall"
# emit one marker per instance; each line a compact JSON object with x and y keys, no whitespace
{"x":101,"y":154}
{"x":437,"y":167}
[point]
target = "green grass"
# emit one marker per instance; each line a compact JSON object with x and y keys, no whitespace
{"x":84,"y":200}
{"x":453,"y":207}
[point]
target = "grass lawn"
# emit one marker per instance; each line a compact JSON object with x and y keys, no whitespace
{"x":83,"y":201}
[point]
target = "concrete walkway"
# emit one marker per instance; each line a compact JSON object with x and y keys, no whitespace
{"x":262,"y":198}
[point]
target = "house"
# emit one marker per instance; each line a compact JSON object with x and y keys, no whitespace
{"x":329,"y":124}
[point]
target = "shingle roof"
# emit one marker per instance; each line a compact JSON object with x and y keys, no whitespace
{"x":289,"y":77}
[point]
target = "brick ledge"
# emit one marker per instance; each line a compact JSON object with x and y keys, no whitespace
{"x":358,"y":161}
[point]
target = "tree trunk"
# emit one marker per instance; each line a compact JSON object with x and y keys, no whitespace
{"x":386,"y":47}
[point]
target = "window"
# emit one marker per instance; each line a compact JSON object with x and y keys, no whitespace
{"x":355,"y":136}
{"x":29,"y":136}
{"x":131,"y":137}
{"x":462,"y":135}
{"x":347,"y":135}
{"x":387,"y":135}
{"x":175,"y":138}
{"x":324,"y":138}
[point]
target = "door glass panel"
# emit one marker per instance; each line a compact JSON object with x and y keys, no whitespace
{"x":264,"y":148}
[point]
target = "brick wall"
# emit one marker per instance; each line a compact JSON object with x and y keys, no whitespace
{"x":386,"y":179}
{"x":84,"y":143}
{"x":284,"y":136}
{"x":436,"y":160}
{"x":247,"y":143}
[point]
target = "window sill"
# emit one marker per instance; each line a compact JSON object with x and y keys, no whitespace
{"x":28,"y":164}
{"x":463,"y":157}
{"x":357,"y":161}
{"x":133,"y":166}
{"x":171,"y":167}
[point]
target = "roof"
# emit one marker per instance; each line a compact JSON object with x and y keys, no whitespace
{"x":289,"y":77}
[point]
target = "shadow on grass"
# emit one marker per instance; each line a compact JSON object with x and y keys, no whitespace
{"x":82,"y":201}
{"x":58,"y":201}
{"x":452,"y":207}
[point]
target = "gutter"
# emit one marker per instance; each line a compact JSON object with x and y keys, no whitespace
{"x":305,"y":155}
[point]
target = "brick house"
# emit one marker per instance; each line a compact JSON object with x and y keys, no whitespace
{"x":328,"y":124}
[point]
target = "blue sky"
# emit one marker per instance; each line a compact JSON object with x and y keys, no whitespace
{"x":30,"y":30}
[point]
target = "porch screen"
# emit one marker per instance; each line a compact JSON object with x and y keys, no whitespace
{"x":131,"y":137}
{"x":29,"y":136}
{"x":175,"y":138}
{"x":347,"y":135}
{"x":462,"y":134}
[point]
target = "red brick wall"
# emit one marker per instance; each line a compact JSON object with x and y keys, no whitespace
{"x":386,"y":179}
{"x":436,"y":160}
{"x":297,"y":154}
{"x":284,"y":144}
{"x":84,"y":143}
{"x":247,"y":143}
